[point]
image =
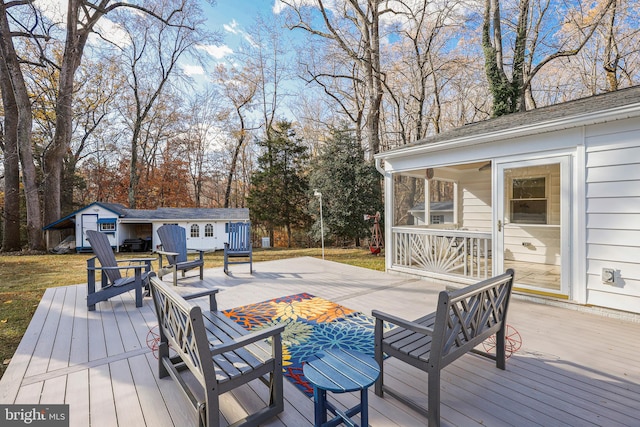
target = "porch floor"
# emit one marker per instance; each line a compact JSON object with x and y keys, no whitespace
{"x":545,"y":276}
{"x":574,"y":368}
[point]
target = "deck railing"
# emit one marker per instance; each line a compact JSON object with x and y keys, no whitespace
{"x":449,"y":252}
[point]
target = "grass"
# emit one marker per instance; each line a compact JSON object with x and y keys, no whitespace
{"x":24,"y":278}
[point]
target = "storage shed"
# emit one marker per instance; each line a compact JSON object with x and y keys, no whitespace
{"x":136,"y":229}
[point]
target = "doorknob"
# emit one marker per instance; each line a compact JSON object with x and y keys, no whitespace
{"x":499,"y":225}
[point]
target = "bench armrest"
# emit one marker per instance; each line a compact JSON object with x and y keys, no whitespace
{"x":412,"y":326}
{"x":201,"y":294}
{"x":247,"y":339}
{"x":211,"y":293}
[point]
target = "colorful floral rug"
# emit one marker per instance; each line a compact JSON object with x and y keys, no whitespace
{"x":311,"y":324}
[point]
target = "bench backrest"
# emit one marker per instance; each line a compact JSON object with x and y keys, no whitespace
{"x":239,"y":237}
{"x":183,"y":326}
{"x":466,"y":317}
{"x":174,"y":239}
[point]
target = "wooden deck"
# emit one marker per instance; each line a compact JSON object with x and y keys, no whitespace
{"x":574,"y":369}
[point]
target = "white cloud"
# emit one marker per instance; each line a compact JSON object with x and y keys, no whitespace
{"x":279,"y":6}
{"x":193,"y":70}
{"x":232,"y":27}
{"x":218,"y":52}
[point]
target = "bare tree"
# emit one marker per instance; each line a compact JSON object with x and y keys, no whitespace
{"x":239,"y":87}
{"x":26,"y":21}
{"x":18,"y":115}
{"x":151,"y":53}
{"x":355,"y":27}
{"x":11,"y":163}
{"x":526,"y":56}
{"x":201,"y":117}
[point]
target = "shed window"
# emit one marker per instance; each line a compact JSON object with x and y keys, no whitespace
{"x":208,"y":230}
{"x":195,"y":230}
{"x":529,"y":201}
{"x":107,"y":224}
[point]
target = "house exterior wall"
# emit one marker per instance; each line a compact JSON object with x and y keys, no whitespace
{"x":197,"y":241}
{"x":604,"y":201}
{"x":613,"y":214}
{"x":475,"y":213}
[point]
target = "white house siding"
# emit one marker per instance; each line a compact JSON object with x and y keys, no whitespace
{"x":613,"y":214}
{"x":475,"y":212}
{"x":201,"y":242}
{"x":102,"y":214}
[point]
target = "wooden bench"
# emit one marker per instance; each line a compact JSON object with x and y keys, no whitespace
{"x":463,"y":319}
{"x":216,"y":352}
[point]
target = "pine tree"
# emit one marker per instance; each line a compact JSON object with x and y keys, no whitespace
{"x":279,"y":187}
{"x":350,"y":188}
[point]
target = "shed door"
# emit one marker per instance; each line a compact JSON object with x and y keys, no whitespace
{"x":532,"y":224}
{"x":89,"y":222}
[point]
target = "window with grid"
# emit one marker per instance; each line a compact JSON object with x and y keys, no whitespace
{"x":529,"y":200}
{"x":195,"y":230}
{"x":208,"y":230}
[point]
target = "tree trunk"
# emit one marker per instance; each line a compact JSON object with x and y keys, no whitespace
{"x":134,"y":178}
{"x":54,"y":157}
{"x":611,"y":53}
{"x":23,"y":132}
{"x":11,"y":211}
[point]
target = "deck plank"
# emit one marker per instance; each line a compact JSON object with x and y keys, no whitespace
{"x":44,"y":346}
{"x":574,"y":367}
{"x":61,"y":351}
{"x":77,"y":397}
{"x":102,"y":408}
{"x":13,"y":376}
{"x":80,"y":335}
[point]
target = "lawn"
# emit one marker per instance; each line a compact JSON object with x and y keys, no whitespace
{"x":24,"y":278}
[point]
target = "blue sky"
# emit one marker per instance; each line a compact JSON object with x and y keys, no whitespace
{"x":232,"y":18}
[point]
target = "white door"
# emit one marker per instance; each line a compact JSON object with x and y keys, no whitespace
{"x":532,"y":224}
{"x":89,"y":222}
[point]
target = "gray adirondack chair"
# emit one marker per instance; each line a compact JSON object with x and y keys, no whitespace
{"x":239,"y":245}
{"x":174,"y":248}
{"x":112,"y":282}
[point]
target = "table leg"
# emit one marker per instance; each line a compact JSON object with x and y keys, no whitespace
{"x":364,"y":408}
{"x":320,"y":400}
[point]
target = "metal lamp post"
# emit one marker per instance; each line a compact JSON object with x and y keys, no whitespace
{"x":319,"y":196}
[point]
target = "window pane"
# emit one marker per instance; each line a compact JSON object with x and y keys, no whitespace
{"x":195,"y":230}
{"x":529,"y":188}
{"x":529,"y":211}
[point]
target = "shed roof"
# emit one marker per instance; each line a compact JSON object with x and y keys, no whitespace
{"x":160,"y":214}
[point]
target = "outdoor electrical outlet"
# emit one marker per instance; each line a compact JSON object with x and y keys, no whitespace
{"x":608,"y":275}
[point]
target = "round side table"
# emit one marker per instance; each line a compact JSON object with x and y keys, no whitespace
{"x":340,"y":371}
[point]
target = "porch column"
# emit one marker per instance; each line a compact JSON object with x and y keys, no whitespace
{"x":456,"y":220}
{"x":389,"y":220}
{"x":427,"y":201}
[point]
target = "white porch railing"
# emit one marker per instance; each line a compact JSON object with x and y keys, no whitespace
{"x":448,"y":252}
